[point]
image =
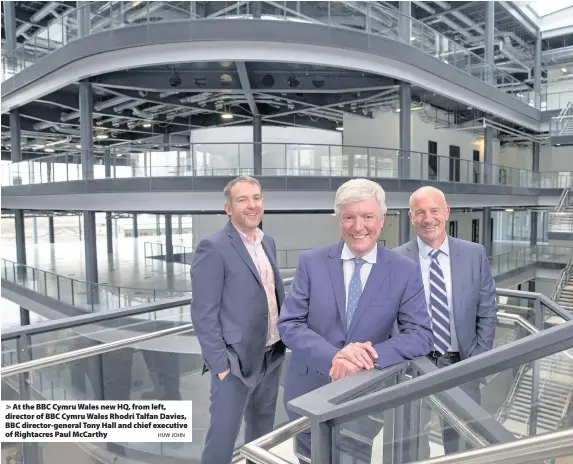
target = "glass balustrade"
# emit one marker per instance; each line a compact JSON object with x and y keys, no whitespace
{"x":367,"y":17}
{"x":278,"y":159}
{"x":80,"y":294}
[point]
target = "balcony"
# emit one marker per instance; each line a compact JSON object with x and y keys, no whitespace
{"x":365,"y":17}
{"x":278,"y":160}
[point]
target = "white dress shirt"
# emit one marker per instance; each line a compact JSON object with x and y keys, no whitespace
{"x":424,"y":251}
{"x":348,"y":266}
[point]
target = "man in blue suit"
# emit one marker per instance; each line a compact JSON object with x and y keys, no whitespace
{"x":346,"y":298}
{"x":459,"y":290}
{"x":237,"y":293}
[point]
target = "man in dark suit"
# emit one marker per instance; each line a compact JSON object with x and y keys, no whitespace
{"x":346,"y":298}
{"x":459,"y":290}
{"x":237,"y":294}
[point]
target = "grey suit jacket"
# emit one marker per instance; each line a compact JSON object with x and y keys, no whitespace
{"x":473,"y":300}
{"x":229,"y":307}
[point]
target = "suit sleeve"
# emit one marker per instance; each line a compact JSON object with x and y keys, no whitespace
{"x":486,"y":317}
{"x":415,"y":336}
{"x":293,"y":324}
{"x":207,"y":281}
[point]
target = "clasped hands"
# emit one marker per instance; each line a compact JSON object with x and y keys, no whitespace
{"x":352,"y":358}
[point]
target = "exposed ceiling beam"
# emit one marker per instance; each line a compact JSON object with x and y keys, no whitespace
{"x":246,"y":85}
{"x":526,"y":22}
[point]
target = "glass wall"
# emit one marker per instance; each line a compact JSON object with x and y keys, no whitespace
{"x":511,"y":226}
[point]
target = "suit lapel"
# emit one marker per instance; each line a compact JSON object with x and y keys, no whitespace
{"x":336,"y":273}
{"x":457,"y":270}
{"x":238,"y":244}
{"x":378,"y":274}
{"x":413,"y":251}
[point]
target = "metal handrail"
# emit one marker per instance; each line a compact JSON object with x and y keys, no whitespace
{"x":104,"y":286}
{"x":561,"y":203}
{"x":487,"y":71}
{"x":563,"y":279}
{"x":526,"y":450}
{"x":48,"y":361}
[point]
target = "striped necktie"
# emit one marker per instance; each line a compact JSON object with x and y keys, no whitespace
{"x":439,"y":306}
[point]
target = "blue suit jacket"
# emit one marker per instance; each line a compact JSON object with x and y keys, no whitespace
{"x":229,"y":308}
{"x":312,"y":322}
{"x":473,"y":299}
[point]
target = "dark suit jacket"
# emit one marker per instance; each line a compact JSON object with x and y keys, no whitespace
{"x":229,"y":306}
{"x":473,"y":300}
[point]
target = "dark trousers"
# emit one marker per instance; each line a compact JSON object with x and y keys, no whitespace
{"x":232,"y":400}
{"x":453,"y":442}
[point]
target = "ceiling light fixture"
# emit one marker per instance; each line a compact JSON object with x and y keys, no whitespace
{"x":227,"y":115}
{"x":49,"y":150}
{"x":564,"y":69}
{"x":339,"y":128}
{"x":102,"y":136}
{"x":147,"y":124}
{"x":78,"y":146}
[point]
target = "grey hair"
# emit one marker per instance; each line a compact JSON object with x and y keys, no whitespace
{"x":428,"y":189}
{"x":235,"y":181}
{"x":356,"y":190}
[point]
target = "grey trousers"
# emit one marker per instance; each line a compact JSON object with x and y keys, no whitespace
{"x":231,"y":401}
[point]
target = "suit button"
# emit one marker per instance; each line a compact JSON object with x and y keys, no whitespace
{"x":266,"y":317}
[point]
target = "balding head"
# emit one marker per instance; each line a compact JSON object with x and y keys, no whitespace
{"x":429,"y":213}
{"x":427,"y":192}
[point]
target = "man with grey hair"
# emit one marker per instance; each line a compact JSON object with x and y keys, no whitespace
{"x":459,"y":291}
{"x":237,"y":294}
{"x":346,"y":299}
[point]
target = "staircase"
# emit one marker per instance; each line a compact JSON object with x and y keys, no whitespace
{"x":561,"y":127}
{"x":555,"y":390}
{"x":564,"y":295}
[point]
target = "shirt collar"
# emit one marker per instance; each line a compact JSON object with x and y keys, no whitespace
{"x":259,"y":234}
{"x":369,"y":257}
{"x":425,"y":249}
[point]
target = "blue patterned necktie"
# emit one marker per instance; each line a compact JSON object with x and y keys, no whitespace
{"x":354,"y":291}
{"x":439,"y":306}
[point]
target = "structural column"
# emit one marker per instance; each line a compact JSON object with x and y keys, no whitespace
{"x":83,"y":19}
{"x":257,"y":145}
{"x":51,"y":228}
{"x":487,"y":230}
{"x":86,"y":137}
{"x":16,"y":157}
{"x":168,"y":238}
{"x":404,"y":227}
{"x":534,"y":214}
{"x":135,"y":233}
{"x":10,"y":30}
{"x":405,"y":24}
{"x":537,"y":71}
{"x":405,"y":29}
{"x":109,"y":233}
{"x":405,"y":130}
{"x":489,"y":35}
{"x":488,"y":155}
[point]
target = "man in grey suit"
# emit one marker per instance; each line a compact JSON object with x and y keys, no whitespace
{"x":459,"y":289}
{"x":237,"y":294}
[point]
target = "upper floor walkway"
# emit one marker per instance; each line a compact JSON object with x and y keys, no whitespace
{"x":288,"y":172}
{"x":363,"y":35}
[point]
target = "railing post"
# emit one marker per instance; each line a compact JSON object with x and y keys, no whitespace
{"x":58,"y":285}
{"x":46,"y":283}
{"x":30,"y":450}
{"x":321,"y":442}
{"x":535,"y":375}
{"x":72,"y":292}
